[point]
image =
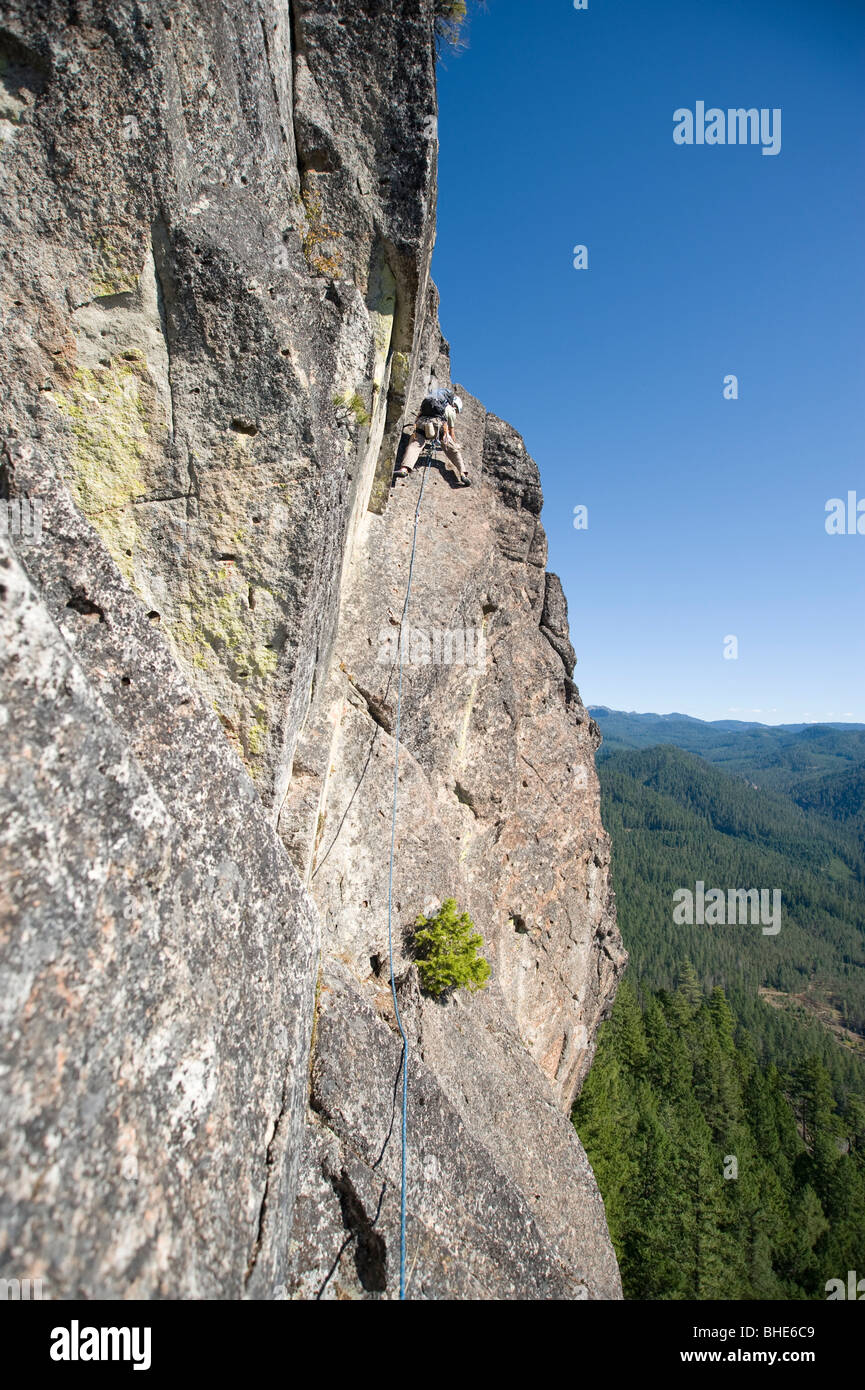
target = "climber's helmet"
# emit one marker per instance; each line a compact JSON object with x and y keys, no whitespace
{"x":458,"y":404}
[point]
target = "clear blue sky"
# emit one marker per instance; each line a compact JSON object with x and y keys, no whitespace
{"x":706,"y":516}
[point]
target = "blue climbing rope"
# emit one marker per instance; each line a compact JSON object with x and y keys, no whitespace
{"x":402,"y":1207}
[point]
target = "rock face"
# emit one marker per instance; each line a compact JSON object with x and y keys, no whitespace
{"x":217,"y":318}
{"x":158,"y":953}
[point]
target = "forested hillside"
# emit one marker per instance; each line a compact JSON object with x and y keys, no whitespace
{"x":722,"y":1178}
{"x":675,"y":820}
{"x":726,"y":1042}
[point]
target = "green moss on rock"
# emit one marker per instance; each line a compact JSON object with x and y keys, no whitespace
{"x":115,"y":271}
{"x":104,"y":469}
{"x":257,"y":732}
{"x":217,"y":622}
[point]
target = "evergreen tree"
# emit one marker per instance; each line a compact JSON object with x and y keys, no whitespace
{"x":723,"y":1179}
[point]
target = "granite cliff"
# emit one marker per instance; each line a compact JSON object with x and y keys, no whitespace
{"x":217,"y":318}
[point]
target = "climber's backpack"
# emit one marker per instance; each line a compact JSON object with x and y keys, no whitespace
{"x":436,"y":403}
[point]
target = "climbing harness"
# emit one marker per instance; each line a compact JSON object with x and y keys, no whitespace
{"x":428,"y":451}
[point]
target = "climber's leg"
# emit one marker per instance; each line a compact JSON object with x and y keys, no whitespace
{"x":454,"y":461}
{"x":410,"y":457}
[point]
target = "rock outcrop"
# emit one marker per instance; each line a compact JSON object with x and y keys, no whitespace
{"x":217,"y":318}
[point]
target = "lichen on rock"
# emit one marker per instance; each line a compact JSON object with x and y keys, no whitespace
{"x":108,"y":417}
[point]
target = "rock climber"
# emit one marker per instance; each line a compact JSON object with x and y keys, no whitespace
{"x":436,"y":420}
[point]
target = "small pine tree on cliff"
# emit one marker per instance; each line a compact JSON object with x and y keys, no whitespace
{"x":447,"y":946}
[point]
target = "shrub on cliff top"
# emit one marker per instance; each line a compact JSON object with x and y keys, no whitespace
{"x":447,"y":946}
{"x":449,"y":16}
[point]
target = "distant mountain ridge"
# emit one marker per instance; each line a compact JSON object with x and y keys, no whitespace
{"x":820,"y":766}
{"x":602,"y":713}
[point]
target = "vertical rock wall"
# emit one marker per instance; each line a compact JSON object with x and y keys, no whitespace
{"x":217,"y":314}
